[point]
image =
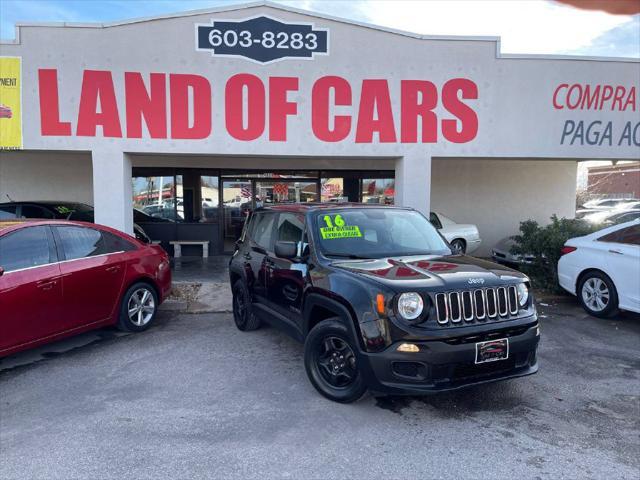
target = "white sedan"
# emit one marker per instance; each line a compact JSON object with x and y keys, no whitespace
{"x":463,"y":238}
{"x":603,"y":269}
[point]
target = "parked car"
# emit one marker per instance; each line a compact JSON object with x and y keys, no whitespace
{"x":501,"y":253}
{"x":59,"y":278}
{"x":463,"y":238}
{"x":603,"y":205}
{"x":606,"y":203}
{"x":622,"y":217}
{"x":609,"y":215}
{"x":66,"y":211}
{"x":380,"y":300}
{"x":603,"y":269}
{"x":5,"y":111}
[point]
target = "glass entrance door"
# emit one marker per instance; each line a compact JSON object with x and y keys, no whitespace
{"x":237,"y":198}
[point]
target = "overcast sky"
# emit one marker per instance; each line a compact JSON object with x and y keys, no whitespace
{"x":526,"y":26}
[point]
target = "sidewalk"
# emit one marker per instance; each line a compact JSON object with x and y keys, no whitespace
{"x":200,"y":285}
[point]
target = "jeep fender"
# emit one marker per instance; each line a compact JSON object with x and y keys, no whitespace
{"x":318,"y":300}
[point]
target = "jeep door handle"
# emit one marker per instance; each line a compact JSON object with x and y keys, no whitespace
{"x":617,"y":252}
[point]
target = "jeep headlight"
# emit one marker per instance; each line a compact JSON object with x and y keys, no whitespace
{"x":410,"y":305}
{"x":523,"y":294}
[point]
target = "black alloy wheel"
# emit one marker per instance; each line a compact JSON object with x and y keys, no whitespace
{"x":336,"y":362}
{"x":243,"y":315}
{"x":331,"y":362}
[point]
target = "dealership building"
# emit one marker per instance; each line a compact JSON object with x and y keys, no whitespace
{"x":196,"y":117}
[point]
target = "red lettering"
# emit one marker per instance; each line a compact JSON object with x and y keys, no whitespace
{"x":607,"y":93}
{"x":557,"y":105}
{"x":50,"y":123}
{"x":139,"y":103}
{"x":418,"y":99}
{"x":589,"y":100}
{"x":320,"y":109}
{"x":576,"y":87}
{"x":279,"y":107}
{"x":97,"y":86}
{"x":179,"y":86}
{"x":617,"y":98}
{"x":631,"y":100}
{"x":375,"y":102}
{"x":234,"y":104}
{"x":466,"y":115}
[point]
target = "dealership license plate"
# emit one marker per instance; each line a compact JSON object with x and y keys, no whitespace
{"x":492,"y":350}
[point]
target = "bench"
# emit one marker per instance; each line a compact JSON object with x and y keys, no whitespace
{"x":177,"y":247}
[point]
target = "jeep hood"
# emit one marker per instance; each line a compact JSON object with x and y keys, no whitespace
{"x":438,"y":272}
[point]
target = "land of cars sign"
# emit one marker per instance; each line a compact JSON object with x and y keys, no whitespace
{"x":262,"y":39}
{"x":179,"y":106}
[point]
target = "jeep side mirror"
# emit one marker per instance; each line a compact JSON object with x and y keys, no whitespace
{"x":286,"y":249}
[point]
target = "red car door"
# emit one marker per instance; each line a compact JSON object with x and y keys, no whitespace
{"x":92,"y":275}
{"x":30,"y":287}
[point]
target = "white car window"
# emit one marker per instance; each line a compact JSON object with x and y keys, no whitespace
{"x":628,"y":236}
{"x":446,"y":221}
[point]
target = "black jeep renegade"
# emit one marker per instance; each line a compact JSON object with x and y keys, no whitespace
{"x":380,"y":301}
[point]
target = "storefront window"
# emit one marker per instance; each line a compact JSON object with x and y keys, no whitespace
{"x":208,"y":199}
{"x":274,"y":175}
{"x":378,"y":190}
{"x":285,"y":192}
{"x":332,"y":190}
{"x":155,"y":197}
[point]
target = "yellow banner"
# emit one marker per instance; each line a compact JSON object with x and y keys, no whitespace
{"x":10,"y":103}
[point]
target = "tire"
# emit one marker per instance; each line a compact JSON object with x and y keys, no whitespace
{"x":459,"y":246}
{"x":597,"y":294}
{"x":243,"y":315}
{"x":138,"y":308}
{"x":331,"y":361}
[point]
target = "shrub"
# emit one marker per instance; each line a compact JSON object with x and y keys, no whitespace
{"x":544,"y":244}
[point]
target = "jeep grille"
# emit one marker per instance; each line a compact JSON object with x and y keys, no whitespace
{"x":476,"y":305}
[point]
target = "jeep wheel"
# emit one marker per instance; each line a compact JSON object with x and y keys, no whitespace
{"x":331,"y":362}
{"x":243,"y":315}
{"x":597,"y":294}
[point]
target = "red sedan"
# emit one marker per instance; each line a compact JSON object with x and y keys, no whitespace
{"x":60,"y":278}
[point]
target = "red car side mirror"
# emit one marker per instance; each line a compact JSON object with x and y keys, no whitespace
{"x":1,"y":271}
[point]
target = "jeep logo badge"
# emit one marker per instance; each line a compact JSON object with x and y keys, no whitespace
{"x":262,"y":39}
{"x":476,"y":281}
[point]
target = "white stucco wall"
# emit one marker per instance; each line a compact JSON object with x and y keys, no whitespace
{"x":497,"y":194}
{"x":46,"y":176}
{"x":508,"y":108}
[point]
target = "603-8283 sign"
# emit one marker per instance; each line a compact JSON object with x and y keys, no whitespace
{"x":262,"y":39}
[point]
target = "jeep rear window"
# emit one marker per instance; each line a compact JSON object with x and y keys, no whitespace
{"x":376,"y":233}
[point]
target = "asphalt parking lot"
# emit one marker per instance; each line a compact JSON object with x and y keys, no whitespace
{"x":194,"y":397}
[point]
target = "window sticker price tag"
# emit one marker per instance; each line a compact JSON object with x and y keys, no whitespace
{"x":336,"y":228}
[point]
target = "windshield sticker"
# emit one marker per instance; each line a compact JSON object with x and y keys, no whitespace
{"x":337,"y":229}
{"x":62,"y":210}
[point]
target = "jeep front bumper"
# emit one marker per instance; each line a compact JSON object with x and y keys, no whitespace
{"x":448,"y":364}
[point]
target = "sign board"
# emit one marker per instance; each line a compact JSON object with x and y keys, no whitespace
{"x":10,"y":103}
{"x":262,"y":39}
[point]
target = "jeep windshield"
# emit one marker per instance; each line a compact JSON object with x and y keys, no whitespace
{"x":377,"y":233}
